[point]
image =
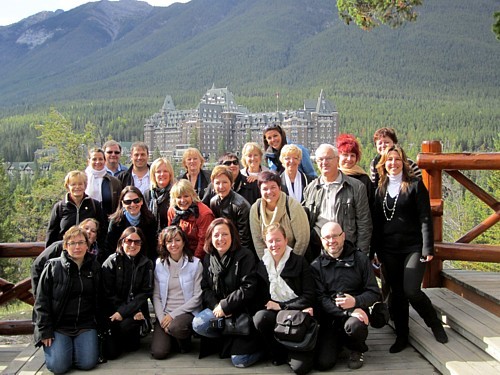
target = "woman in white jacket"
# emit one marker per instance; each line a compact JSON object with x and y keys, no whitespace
{"x":177,"y":293}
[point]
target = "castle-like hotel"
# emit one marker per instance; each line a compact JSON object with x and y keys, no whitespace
{"x":220,"y":125}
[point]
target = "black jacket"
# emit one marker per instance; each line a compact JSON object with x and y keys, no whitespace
{"x":127,"y":284}
{"x":241,"y":285}
{"x":126,"y":177}
{"x":240,"y":281}
{"x":351,"y":273}
{"x":111,"y":187}
{"x":161,"y":214}
{"x":305,"y":181}
{"x":65,"y":214}
{"x":297,"y":276}
{"x":235,"y":208}
{"x":201,"y":184}
{"x":411,"y":228}
{"x":248,"y":190}
{"x":115,"y":230}
{"x":61,"y":282}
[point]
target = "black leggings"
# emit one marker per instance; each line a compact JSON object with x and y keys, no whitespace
{"x":404,"y":273}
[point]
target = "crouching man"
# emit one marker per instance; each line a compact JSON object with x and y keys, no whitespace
{"x":346,"y":288}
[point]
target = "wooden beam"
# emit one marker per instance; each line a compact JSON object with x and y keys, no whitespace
{"x":471,"y":161}
{"x":20,"y":290}
{"x":476,"y":190}
{"x":21,"y":249}
{"x":480,"y":228}
{"x":16,"y":327}
{"x":467,"y":252}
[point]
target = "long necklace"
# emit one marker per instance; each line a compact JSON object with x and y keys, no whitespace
{"x":390,"y":211}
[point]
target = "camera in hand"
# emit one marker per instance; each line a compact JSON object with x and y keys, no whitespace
{"x":217,"y":323}
{"x":340,"y":295}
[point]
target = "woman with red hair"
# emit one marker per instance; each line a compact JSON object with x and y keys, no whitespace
{"x":349,"y":156}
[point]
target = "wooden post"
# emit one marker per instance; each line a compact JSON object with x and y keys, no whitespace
{"x":432,"y":179}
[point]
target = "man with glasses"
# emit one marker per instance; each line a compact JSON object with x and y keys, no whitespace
{"x":113,"y":152}
{"x":334,"y":196}
{"x":345,"y":289}
{"x":248,"y":190}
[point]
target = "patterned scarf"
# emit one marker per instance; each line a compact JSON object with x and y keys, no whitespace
{"x":185,"y":214}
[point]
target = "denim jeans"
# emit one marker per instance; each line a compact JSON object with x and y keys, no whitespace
{"x":201,"y":324}
{"x":81,"y":351}
{"x":246,"y":360}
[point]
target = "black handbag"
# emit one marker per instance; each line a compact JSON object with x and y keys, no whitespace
{"x":291,"y":325}
{"x":379,"y":315}
{"x":296,"y":330}
{"x":238,"y":325}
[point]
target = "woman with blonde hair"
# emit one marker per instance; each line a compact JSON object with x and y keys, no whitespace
{"x":293,"y":181}
{"x":192,"y":161}
{"x":190,"y":214}
{"x":251,"y":159}
{"x":73,"y":209}
{"x":157,"y":198}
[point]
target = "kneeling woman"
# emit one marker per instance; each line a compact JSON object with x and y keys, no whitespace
{"x":177,"y":293}
{"x":288,"y":286}
{"x":128,"y":283}
{"x":66,"y":306}
{"x":229,"y":289}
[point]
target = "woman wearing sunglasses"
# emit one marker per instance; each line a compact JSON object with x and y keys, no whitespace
{"x":241,"y":184}
{"x":127,"y":280}
{"x":132,"y":211}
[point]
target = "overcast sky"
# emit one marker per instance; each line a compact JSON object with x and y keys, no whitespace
{"x":12,"y":11}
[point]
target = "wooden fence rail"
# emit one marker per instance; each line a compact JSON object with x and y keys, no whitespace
{"x":433,"y":162}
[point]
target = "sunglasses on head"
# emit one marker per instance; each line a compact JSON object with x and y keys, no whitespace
{"x":130,"y":201}
{"x":228,"y":163}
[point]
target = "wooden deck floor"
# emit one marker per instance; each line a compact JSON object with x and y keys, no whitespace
{"x":378,"y":361}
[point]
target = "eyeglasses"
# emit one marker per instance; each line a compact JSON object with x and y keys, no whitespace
{"x":228,"y":163}
{"x":326,"y":160}
{"x":332,"y":237}
{"x":77,"y":243}
{"x":113,"y":152}
{"x":128,"y":202}
{"x":131,"y":242}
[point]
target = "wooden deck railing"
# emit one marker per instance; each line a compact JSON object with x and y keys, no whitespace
{"x":433,"y":162}
{"x":20,"y":290}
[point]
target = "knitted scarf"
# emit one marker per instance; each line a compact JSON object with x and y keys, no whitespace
{"x":356,"y":170}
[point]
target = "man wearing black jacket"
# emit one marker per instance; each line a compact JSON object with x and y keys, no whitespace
{"x":345,"y":289}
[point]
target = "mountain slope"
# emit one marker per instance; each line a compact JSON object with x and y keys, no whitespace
{"x":129,"y":48}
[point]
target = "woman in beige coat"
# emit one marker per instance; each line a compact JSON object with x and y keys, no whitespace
{"x":276,"y":207}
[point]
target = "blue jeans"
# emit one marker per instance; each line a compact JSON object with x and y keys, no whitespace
{"x":201,"y":324}
{"x":246,"y":360}
{"x":81,"y":351}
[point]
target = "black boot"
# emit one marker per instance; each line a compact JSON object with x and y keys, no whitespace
{"x":439,"y":333}
{"x":400,"y":344}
